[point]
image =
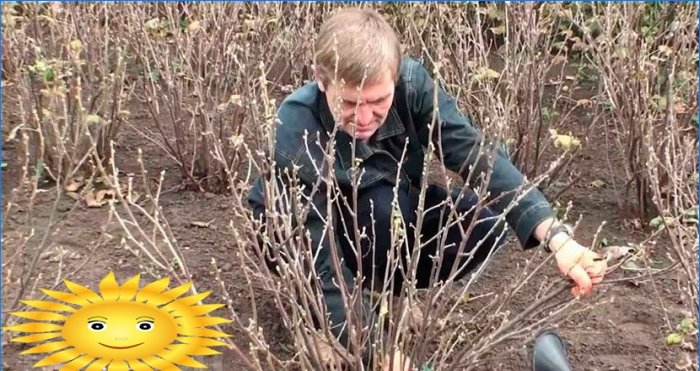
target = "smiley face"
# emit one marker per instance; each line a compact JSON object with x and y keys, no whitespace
{"x":120,"y":330}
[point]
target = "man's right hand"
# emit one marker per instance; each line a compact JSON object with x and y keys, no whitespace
{"x":399,"y":362}
{"x":332,"y":360}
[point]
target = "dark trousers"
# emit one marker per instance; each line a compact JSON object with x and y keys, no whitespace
{"x":374,"y":214}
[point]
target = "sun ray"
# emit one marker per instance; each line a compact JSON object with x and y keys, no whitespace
{"x":191,"y":311}
{"x":203,"y":321}
{"x":200,"y":310}
{"x":82,"y":291}
{"x":207,"y":342}
{"x":118,"y":366}
{"x":128,"y":289}
{"x":203,"y":332}
{"x":67,"y":297}
{"x":139,"y":366}
{"x":47,"y":347}
{"x":48,"y":305}
{"x":159,"y":363}
{"x":77,"y":363}
{"x":170,"y":295}
{"x":109,"y":288}
{"x":58,"y":357}
{"x":40,"y":316}
{"x":180,"y":358}
{"x":186,"y":302}
{"x":152,"y":290}
{"x":192,"y":349}
{"x":34,"y":327}
{"x":98,"y":365}
{"x":33,"y":338}
{"x":193,"y":299}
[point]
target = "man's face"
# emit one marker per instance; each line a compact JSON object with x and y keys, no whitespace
{"x":363,"y":111}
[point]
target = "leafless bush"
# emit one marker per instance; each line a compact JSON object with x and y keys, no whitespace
{"x":448,"y":337}
{"x":211,"y":76}
{"x":672,"y":157}
{"x":506,"y":65}
{"x":645,"y":56}
{"x":672,"y":175}
{"x":70,"y":69}
{"x":193,"y":60}
{"x":68,"y":73}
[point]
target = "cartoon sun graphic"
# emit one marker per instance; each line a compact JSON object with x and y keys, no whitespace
{"x":122,"y":328}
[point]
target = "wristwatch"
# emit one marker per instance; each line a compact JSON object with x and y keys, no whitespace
{"x":555,"y":230}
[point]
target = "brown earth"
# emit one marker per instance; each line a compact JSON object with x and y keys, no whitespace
{"x":626,"y":332}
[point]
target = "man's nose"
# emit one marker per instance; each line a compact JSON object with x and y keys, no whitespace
{"x":364,"y":114}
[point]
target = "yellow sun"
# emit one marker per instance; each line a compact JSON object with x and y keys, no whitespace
{"x":121,"y":328}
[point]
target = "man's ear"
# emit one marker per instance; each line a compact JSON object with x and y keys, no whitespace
{"x":319,"y":80}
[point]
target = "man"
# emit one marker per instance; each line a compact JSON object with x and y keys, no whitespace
{"x":382,"y":103}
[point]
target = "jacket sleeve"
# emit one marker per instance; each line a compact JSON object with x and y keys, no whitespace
{"x":461,"y":144}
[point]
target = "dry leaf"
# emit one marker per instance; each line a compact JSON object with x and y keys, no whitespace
{"x":236,"y":100}
{"x":98,"y":198}
{"x":630,"y":265}
{"x":203,"y":224}
{"x":74,"y":184}
{"x":222,"y":107}
{"x":567,"y":142}
{"x":559,"y":59}
{"x":74,"y":195}
{"x":584,"y":102}
{"x":635,"y":223}
{"x":383,"y":309}
{"x":598,"y":183}
{"x":684,"y":362}
{"x":193,"y":26}
{"x":105,"y":193}
{"x":499,"y":30}
{"x":613,"y":253}
{"x":486,"y":74}
{"x":91,"y":200}
{"x":665,"y":49}
{"x":76,"y":45}
{"x":93,"y":119}
{"x":152,"y":24}
{"x":680,"y":107}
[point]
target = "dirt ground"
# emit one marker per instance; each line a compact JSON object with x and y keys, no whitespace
{"x":625,"y":332}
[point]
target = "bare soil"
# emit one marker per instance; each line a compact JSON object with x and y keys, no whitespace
{"x":625,"y":332}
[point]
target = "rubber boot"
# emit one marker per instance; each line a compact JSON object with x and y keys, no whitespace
{"x":549,"y":353}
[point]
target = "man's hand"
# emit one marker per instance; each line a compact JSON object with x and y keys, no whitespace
{"x":400,"y":362}
{"x":575,"y":261}
{"x":579,"y":263}
{"x":331,"y":358}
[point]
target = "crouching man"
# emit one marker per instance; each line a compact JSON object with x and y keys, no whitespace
{"x":383,"y":102}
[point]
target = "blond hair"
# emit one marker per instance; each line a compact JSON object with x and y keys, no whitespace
{"x":361,"y":42}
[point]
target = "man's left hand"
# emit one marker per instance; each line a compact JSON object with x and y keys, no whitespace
{"x":581,"y":264}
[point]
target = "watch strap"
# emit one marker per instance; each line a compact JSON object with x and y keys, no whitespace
{"x":555,"y":230}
